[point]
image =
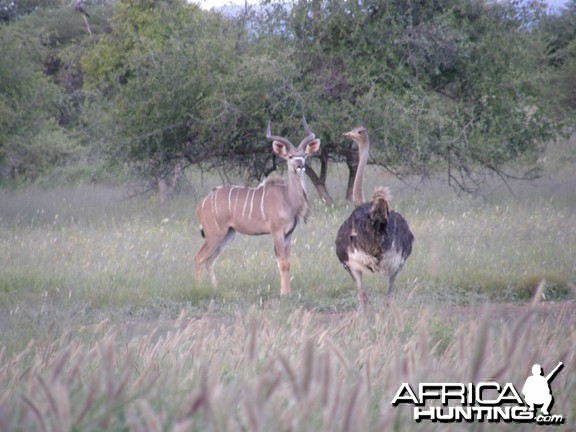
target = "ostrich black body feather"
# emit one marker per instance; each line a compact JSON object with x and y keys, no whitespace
{"x":373,"y":237}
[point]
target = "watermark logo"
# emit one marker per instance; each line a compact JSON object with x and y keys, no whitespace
{"x":483,"y":401}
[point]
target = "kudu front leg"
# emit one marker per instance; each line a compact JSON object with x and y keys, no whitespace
{"x":282,"y":251}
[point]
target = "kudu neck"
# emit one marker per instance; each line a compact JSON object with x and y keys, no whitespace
{"x":296,"y":193}
{"x":296,"y":186}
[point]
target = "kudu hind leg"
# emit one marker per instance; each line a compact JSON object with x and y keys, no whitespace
{"x":211,"y":260}
{"x":200,"y":257}
{"x":209,"y":252}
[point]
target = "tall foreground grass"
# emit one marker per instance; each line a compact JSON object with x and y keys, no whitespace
{"x":104,"y":328}
{"x":265,"y":371}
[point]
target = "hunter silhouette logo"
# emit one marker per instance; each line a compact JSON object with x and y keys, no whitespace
{"x":537,"y":391}
{"x":483,"y":401}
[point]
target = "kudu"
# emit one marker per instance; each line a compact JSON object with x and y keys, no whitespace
{"x":274,"y":207}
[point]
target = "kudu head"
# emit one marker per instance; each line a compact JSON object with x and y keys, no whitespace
{"x":295,"y":156}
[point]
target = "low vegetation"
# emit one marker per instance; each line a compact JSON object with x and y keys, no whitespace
{"x":103,"y":326}
{"x":268,"y":369}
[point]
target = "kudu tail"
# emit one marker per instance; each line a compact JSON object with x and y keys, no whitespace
{"x":200,"y":218}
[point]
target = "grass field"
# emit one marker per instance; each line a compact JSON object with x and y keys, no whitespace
{"x":104,"y":328}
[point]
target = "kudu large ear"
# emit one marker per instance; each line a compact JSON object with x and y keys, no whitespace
{"x":311,"y":144}
{"x":280,"y":145}
{"x":279,"y":148}
{"x":313,"y":147}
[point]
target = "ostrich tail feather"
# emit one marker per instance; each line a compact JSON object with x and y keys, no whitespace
{"x":380,"y":205}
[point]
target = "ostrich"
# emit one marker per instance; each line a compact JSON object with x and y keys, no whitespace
{"x":374,"y":238}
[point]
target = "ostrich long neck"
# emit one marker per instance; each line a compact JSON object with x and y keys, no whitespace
{"x":357,"y":191}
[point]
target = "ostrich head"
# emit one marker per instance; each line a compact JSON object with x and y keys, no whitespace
{"x":360,"y":136}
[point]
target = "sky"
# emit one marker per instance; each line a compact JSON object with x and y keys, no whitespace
{"x":556,"y":3}
{"x":209,"y":4}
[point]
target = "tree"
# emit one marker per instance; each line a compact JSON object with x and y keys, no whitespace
{"x":31,"y":138}
{"x":178,"y":89}
{"x":561,"y":33}
{"x":13,"y":10}
{"x":443,"y":85}
{"x":42,"y":84}
{"x":449,"y":84}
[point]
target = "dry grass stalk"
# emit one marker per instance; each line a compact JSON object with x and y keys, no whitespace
{"x":539,"y":293}
{"x":297,"y":373}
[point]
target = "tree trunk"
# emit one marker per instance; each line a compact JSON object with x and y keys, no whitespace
{"x":320,"y":186}
{"x":352,"y":160}
{"x":167,"y":183}
{"x":319,"y":182}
